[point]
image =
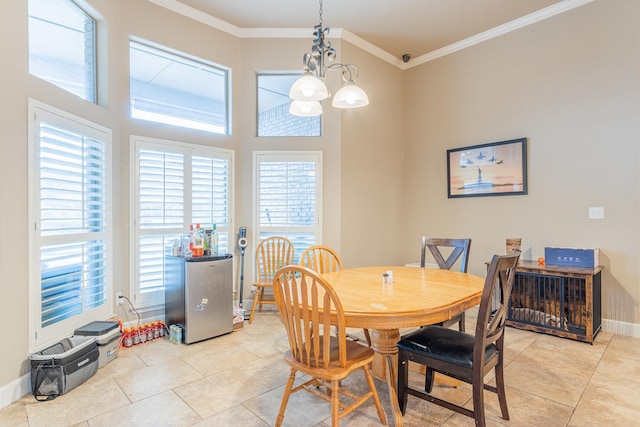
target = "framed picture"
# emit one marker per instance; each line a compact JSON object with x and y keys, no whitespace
{"x":495,"y":169}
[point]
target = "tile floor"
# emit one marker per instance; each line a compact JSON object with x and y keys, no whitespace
{"x":237,"y":380}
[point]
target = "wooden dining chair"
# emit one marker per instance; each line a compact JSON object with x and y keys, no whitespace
{"x":323,"y":259}
{"x":467,"y":357}
{"x":272,"y":254}
{"x":309,"y":307}
{"x":458,"y":249}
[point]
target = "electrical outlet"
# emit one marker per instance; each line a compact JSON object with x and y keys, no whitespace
{"x":119,"y":298}
{"x":596,"y":213}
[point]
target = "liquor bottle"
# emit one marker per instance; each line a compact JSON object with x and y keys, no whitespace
{"x":214,"y":241}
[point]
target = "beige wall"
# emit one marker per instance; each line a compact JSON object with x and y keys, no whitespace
{"x":571,"y":85}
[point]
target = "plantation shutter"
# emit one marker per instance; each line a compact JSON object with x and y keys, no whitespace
{"x":288,"y":192}
{"x":73,"y":223}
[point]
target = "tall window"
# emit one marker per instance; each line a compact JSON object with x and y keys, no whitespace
{"x":62,"y":46}
{"x":288,"y":188}
{"x":70,"y":240}
{"x":174,"y":185}
{"x":174,"y":88}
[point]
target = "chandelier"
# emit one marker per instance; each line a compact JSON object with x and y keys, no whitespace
{"x":309,"y":90}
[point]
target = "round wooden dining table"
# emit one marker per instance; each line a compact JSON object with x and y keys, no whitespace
{"x":415,"y":297}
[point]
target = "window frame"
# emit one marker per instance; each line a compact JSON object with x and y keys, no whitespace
{"x":287,"y":156}
{"x":155,"y":300}
{"x":40,"y":337}
{"x":90,"y":93}
{"x":190,"y":60}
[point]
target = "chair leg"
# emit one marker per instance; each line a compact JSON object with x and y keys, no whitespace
{"x":428,"y":380}
{"x":256,"y":298}
{"x":376,"y":399}
{"x":285,"y":398}
{"x":502,"y":397}
{"x":261,"y":298}
{"x":335,"y":403}
{"x":367,"y":336}
{"x":403,"y":382}
{"x":478,"y":403}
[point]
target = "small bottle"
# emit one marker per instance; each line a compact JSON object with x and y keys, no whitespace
{"x":128,"y":338}
{"x":214,"y":241}
{"x":191,"y":233}
{"x":161,"y":328}
{"x":149,"y":332}
{"x":135,"y":335}
{"x":142,"y":331}
{"x":178,"y":334}
{"x":198,"y":248}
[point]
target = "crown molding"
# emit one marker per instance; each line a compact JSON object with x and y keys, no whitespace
{"x":542,"y":14}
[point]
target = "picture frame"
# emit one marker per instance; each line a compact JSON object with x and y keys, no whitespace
{"x":494,"y":169}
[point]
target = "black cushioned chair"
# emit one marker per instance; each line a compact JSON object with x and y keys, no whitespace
{"x":463,"y":356}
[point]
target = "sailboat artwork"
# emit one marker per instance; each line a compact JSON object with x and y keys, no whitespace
{"x":493,"y":169}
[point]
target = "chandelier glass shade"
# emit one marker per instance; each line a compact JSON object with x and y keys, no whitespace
{"x":310,"y":89}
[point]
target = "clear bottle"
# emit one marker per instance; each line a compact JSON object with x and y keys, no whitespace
{"x":198,"y":247}
{"x":214,"y":241}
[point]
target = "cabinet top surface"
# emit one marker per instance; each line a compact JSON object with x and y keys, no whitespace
{"x":533,"y":266}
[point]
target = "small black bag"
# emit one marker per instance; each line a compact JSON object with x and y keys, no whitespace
{"x":60,"y":368}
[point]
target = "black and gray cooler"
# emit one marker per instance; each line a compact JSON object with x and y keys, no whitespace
{"x":60,"y":368}
{"x":107,"y":335}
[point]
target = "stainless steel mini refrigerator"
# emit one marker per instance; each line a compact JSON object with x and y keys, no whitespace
{"x":199,"y":295}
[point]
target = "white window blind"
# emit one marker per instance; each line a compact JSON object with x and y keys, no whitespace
{"x":176,"y":184}
{"x":288,"y":193}
{"x":70,"y":209}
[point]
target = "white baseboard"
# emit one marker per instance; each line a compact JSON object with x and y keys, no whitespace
{"x":13,"y":391}
{"x":621,"y":328}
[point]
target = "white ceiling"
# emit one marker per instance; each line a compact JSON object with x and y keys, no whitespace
{"x":417,"y":27}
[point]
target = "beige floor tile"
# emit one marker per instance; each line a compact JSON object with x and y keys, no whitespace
{"x":165,"y":409}
{"x":303,"y":408}
{"x":127,"y":361}
{"x":79,"y":404}
{"x":624,"y":346}
{"x":15,"y":415}
{"x":163,"y":350}
{"x":616,"y":381}
{"x":215,"y":360}
{"x":271,"y":371}
{"x":156,"y":379}
{"x":221,"y":391}
{"x":598,"y":407}
{"x":237,"y":415}
{"x":552,"y":373}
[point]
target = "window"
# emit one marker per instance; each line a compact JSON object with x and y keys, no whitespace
{"x":70,"y":240}
{"x":174,"y":185}
{"x":62,"y":46}
{"x":288,"y":197}
{"x":273,"y":109}
{"x":172,"y":88}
